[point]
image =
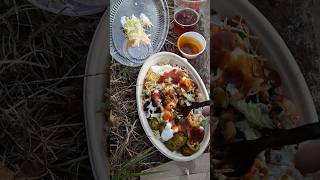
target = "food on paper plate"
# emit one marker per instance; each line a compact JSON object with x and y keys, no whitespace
{"x":134,"y":29}
{"x":166,"y":91}
{"x":249,"y":101}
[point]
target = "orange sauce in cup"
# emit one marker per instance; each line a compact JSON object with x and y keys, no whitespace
{"x":189,"y":45}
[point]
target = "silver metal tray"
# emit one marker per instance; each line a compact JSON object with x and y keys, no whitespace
{"x":158,"y":13}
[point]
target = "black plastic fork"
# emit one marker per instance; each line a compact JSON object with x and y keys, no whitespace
{"x":241,"y":155}
{"x":186,"y":110}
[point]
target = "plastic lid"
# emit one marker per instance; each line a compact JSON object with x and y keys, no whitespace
{"x":72,"y":7}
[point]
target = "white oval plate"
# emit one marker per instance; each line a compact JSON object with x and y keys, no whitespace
{"x":174,"y":60}
{"x":278,"y":55}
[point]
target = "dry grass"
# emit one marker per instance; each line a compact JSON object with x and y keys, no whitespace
{"x":129,"y":139}
{"x":42,"y":59}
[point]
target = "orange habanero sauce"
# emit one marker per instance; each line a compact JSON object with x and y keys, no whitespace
{"x":189,"y":45}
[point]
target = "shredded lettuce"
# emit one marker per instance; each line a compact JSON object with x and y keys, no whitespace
{"x":159,"y":86}
{"x":151,"y":107}
{"x":249,"y":132}
{"x":187,"y":103}
{"x":134,"y":28}
{"x":256,"y":114}
{"x":156,"y":115}
{"x":132,"y":24}
{"x":189,"y":97}
{"x":156,"y":134}
{"x":203,"y":123}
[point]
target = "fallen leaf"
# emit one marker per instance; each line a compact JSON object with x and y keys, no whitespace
{"x":5,"y":173}
{"x":112,"y":121}
{"x":30,"y":168}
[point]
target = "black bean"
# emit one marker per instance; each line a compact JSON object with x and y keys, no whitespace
{"x":154,"y":104}
{"x":145,"y":106}
{"x":277,"y":109}
{"x":217,"y":111}
{"x":252,"y":98}
{"x":158,"y":110}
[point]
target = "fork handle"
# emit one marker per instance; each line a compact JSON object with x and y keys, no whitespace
{"x":291,"y":136}
{"x":201,"y":104}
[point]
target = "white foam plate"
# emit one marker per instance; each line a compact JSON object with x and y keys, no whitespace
{"x":279,"y":57}
{"x":277,"y":53}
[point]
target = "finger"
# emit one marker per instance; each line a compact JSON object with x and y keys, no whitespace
{"x":206,"y":111}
